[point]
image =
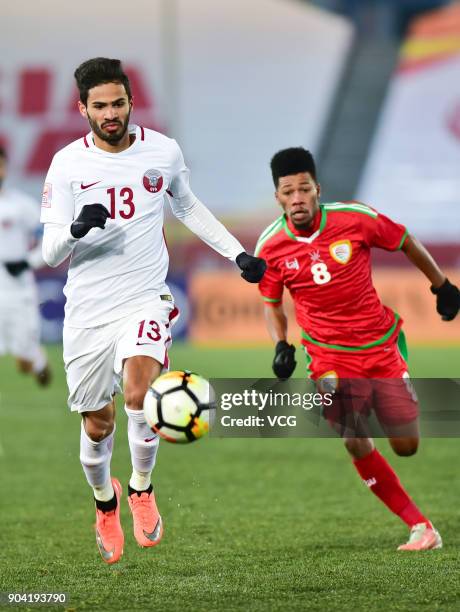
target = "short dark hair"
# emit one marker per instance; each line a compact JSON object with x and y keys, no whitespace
{"x":98,"y":71}
{"x":292,"y":161}
{"x":3,"y":153}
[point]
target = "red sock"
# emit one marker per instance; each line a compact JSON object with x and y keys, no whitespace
{"x":379,"y":476}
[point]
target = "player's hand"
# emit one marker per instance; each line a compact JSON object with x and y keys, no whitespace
{"x":253,"y":267}
{"x":15,"y":268}
{"x":447,"y":300}
{"x":91,"y":215}
{"x":284,"y":362}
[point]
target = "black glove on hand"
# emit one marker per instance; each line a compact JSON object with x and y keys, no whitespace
{"x":253,"y":267}
{"x":284,"y":363}
{"x":15,"y":268}
{"x":447,"y":300}
{"x":91,"y":215}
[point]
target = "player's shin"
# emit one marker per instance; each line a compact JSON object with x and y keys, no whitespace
{"x":381,"y":479}
{"x":95,"y":459}
{"x":143,"y":445}
{"x":39,"y":361}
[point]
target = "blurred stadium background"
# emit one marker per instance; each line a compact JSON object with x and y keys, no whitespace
{"x":372,"y":88}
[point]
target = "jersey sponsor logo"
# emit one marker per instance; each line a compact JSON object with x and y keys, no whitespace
{"x":152,"y":180}
{"x":370,"y":482}
{"x":47,"y":193}
{"x":315,"y":256}
{"x":341,"y":251}
{"x":292,"y":264}
{"x":89,"y":185}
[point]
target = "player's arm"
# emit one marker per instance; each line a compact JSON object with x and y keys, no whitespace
{"x":61,"y":231}
{"x":380,"y":231}
{"x":192,"y":213}
{"x":447,"y":295}
{"x":271,"y":289}
{"x":284,"y":362}
{"x":30,"y":213}
{"x":59,"y":239}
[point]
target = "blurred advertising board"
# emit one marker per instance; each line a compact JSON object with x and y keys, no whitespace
{"x":412,"y":172}
{"x":229,"y":311}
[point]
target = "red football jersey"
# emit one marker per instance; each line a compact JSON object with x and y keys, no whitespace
{"x":328,"y":273}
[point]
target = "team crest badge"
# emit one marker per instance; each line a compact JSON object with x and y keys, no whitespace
{"x":341,"y":251}
{"x":153,"y":181}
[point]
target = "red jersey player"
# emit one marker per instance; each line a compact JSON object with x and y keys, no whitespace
{"x":321,"y":254}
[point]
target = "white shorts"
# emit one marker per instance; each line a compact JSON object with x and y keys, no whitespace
{"x":20,"y":327}
{"x":94,"y":357}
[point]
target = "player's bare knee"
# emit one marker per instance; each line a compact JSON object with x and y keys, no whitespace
{"x":359,"y":447}
{"x":98,"y":430}
{"x":404,"y":447}
{"x":134,"y":398}
{"x":99,"y":424}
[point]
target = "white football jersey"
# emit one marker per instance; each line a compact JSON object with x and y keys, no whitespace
{"x":116,"y":270}
{"x":19,"y":220}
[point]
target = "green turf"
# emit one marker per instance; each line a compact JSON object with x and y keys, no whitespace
{"x":253,"y":525}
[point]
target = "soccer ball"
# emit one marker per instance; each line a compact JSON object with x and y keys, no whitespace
{"x":177,"y":406}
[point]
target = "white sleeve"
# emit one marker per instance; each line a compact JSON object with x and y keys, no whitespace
{"x":194,"y":214}
{"x":31,"y":214}
{"x":58,"y":205}
{"x":35,"y":257}
{"x":58,"y":243}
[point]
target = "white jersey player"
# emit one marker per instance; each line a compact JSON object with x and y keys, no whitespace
{"x":103,"y":206}
{"x":19,"y":312}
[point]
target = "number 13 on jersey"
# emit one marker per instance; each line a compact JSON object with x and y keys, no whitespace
{"x":121,"y":203}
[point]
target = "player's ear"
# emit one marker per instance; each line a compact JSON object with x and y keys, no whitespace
{"x":131,"y":104}
{"x":318,"y":189}
{"x":82,"y":109}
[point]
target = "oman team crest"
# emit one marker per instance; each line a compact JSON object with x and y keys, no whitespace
{"x":153,"y":180}
{"x":341,"y":251}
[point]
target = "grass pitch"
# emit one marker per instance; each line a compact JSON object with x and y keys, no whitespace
{"x":250,"y":524}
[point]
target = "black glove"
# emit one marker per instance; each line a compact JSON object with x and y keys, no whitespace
{"x":253,"y":267}
{"x":15,"y":268}
{"x":91,"y":215}
{"x":284,"y":363}
{"x":447,"y":300}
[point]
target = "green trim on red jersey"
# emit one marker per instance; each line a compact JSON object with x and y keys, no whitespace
{"x":403,"y":239}
{"x":272,"y":300}
{"x":268,"y":232}
{"x":309,"y":239}
{"x":308,"y":361}
{"x":363,"y":347}
{"x":359,"y":208}
{"x":402,"y":346}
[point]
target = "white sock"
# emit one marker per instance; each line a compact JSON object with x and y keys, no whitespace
{"x":38,"y":360}
{"x":143,"y":444}
{"x":95,"y":459}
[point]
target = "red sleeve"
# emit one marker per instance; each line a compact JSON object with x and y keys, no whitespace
{"x":271,"y":286}
{"x":381,"y":232}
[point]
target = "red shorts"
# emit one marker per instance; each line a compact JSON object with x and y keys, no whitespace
{"x":375,"y":379}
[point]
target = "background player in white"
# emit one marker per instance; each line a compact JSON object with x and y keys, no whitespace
{"x":103,"y":205}
{"x":19,"y":312}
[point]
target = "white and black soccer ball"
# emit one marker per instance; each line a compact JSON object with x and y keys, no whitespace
{"x":178,"y":406}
